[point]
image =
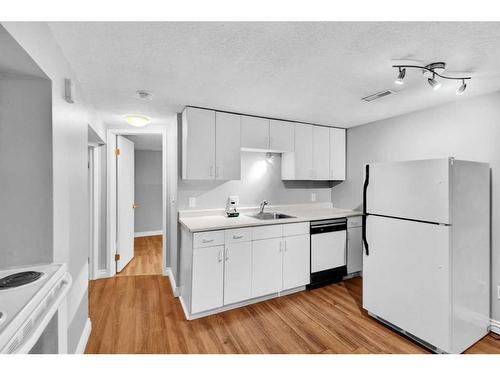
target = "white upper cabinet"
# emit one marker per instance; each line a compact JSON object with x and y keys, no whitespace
{"x":198,"y":144}
{"x":281,"y":136}
{"x":299,"y":164}
{"x":211,"y":147}
{"x":337,"y":154}
{"x":321,"y":153}
{"x":254,"y":132}
{"x":227,"y":146}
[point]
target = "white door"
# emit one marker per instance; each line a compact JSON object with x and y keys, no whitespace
{"x":337,"y":154}
{"x":208,"y":278}
{"x":266,"y":267}
{"x":417,"y":190}
{"x":281,"y":136}
{"x":328,"y":250}
{"x":406,"y":276}
{"x":296,"y":261}
{"x":198,"y":141}
{"x":125,"y":201}
{"x":354,"y":250}
{"x":238,"y":272}
{"x":254,"y":132}
{"x":227,"y":146}
{"x":321,"y":153}
{"x":303,"y":152}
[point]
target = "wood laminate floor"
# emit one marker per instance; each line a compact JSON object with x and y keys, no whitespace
{"x":147,"y":257}
{"x":138,"y":314}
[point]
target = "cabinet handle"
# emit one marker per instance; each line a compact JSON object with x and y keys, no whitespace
{"x":220,"y":255}
{"x":227,"y":254}
{"x":281,"y":246}
{"x":207,"y":241}
{"x":284,"y":245}
{"x":235,"y":237}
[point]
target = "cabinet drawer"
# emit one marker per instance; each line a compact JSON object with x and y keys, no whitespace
{"x":238,"y":235}
{"x":267,"y":231}
{"x":205,"y":239}
{"x":354,"y":221}
{"x":295,"y":229}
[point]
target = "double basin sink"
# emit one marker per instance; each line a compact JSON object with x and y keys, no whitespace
{"x":271,"y":216}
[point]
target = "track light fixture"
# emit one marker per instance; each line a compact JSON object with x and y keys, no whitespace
{"x":462,"y":88}
{"x":434,"y":84}
{"x":435,"y":69}
{"x":401,"y":76}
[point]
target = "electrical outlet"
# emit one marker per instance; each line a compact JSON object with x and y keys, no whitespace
{"x":313,"y":197}
{"x":192,"y":202}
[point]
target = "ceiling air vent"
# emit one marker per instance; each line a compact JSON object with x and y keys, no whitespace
{"x":378,"y":95}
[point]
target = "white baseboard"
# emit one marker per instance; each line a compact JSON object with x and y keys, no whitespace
{"x":84,"y":338}
{"x":148,"y":233}
{"x":495,"y":326}
{"x":168,"y":272}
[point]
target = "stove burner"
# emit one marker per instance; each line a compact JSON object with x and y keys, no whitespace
{"x":18,"y":279}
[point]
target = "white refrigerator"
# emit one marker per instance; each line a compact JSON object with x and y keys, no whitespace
{"x":426,"y":262}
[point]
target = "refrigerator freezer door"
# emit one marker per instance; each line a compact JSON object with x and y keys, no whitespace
{"x":417,"y":190}
{"x":406,"y":277}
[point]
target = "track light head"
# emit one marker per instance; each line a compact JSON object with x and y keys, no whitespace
{"x":434,"y":84}
{"x":401,"y":76}
{"x":462,"y":88}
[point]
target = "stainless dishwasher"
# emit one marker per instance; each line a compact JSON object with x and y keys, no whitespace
{"x":328,"y":251}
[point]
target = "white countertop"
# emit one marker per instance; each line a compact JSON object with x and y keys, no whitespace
{"x":216,"y":219}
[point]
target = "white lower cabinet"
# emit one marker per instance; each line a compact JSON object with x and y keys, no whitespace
{"x":296,"y":261}
{"x":238,"y":272}
{"x":266,"y":266}
{"x":208,"y":278}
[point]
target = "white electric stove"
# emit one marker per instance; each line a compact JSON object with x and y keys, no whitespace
{"x":29,"y":298}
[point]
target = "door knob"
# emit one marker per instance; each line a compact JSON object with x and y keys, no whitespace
{"x":135,"y":205}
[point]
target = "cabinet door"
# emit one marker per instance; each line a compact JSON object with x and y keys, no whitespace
{"x":296,"y":261}
{"x":238,"y":272}
{"x":208,"y":278}
{"x":321,"y":153}
{"x":337,"y":154}
{"x":354,"y":250}
{"x":227,"y":146}
{"x":303,"y":157}
{"x":198,"y":144}
{"x":254,"y":132}
{"x":266,"y":267}
{"x":281,"y":136}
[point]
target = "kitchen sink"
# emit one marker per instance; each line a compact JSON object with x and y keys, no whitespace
{"x":271,"y":216}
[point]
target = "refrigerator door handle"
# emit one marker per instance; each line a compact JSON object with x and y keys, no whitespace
{"x":363,"y":230}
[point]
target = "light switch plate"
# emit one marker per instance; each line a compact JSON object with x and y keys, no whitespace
{"x":192,"y":202}
{"x":498,"y":291}
{"x":313,"y":197}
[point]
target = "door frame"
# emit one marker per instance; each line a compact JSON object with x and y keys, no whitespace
{"x":111,"y":210}
{"x":93,"y":184}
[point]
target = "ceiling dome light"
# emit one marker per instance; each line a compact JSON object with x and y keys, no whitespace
{"x":462,"y":88}
{"x":401,"y":76}
{"x":138,"y":120}
{"x":434,"y":84}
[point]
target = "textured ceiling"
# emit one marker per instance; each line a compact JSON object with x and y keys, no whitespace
{"x":314,"y":72}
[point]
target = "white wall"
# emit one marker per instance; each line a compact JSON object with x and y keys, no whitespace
{"x":148,"y":191}
{"x":467,"y":129}
{"x":260,"y":179}
{"x":69,"y":139}
{"x":26,"y":213}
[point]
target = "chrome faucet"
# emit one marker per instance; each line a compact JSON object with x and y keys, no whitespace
{"x":262,"y":206}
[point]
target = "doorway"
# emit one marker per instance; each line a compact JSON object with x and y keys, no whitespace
{"x":137,"y":202}
{"x":140,"y":181}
